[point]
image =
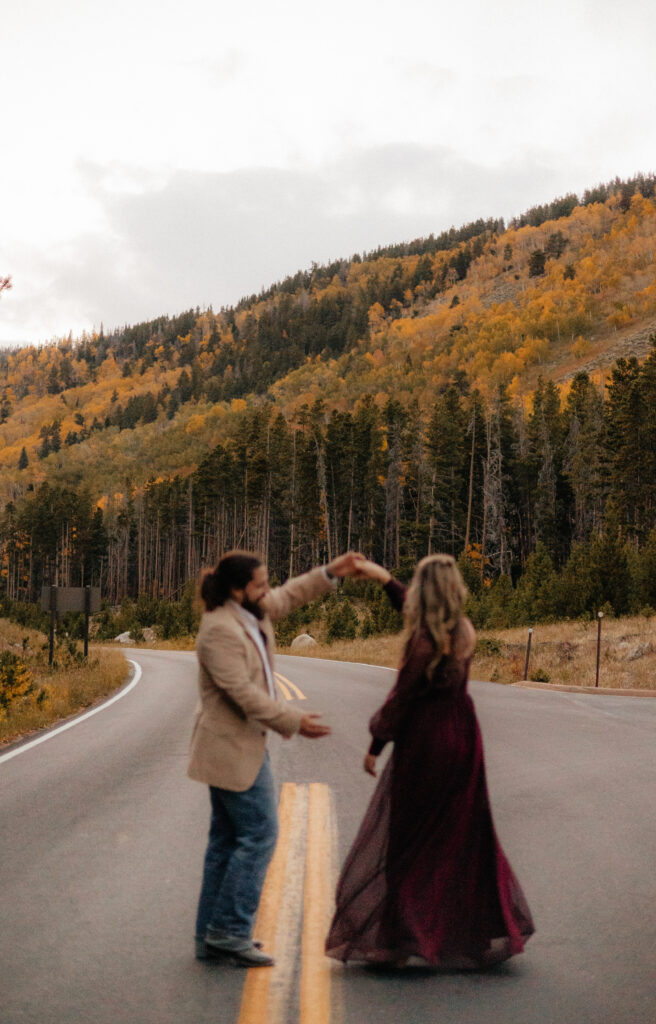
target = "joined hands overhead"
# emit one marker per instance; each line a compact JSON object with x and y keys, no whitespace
{"x":345,"y":565}
{"x":372,"y":571}
{"x":355,"y":564}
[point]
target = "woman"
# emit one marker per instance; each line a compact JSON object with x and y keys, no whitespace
{"x":426,"y":876}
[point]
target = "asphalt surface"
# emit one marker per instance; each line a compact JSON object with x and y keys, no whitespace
{"x":102,"y":837}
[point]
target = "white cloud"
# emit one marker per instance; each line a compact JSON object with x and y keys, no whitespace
{"x":198,"y":238}
{"x":158,"y":157}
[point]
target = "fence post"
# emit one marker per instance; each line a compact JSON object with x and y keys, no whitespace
{"x":600,"y":616}
{"x":87,"y":613}
{"x":528,"y":652}
{"x":53,"y":615}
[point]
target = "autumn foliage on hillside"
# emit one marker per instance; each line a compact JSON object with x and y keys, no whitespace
{"x":484,"y":392}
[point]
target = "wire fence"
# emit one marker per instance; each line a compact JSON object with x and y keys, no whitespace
{"x":616,"y":660}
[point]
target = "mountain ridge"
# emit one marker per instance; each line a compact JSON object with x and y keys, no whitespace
{"x":489,"y":398}
{"x":199,"y":364}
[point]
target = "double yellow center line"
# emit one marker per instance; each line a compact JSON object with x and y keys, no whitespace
{"x":318,"y":905}
{"x":297,"y":896}
{"x":290,"y":691}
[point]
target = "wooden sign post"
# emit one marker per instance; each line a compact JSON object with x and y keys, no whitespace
{"x":600,"y":616}
{"x":59,"y":600}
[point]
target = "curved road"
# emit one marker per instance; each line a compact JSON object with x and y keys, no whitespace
{"x":102,"y":836}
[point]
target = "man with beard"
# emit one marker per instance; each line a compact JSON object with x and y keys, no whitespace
{"x":238,"y":704}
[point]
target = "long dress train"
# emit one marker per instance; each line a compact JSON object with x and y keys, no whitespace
{"x":426,"y":875}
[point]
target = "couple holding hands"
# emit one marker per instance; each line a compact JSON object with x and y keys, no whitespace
{"x":426,"y":880}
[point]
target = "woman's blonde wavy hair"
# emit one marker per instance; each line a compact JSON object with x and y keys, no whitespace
{"x":435,"y":599}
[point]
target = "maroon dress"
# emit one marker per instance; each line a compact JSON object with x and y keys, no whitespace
{"x":426,"y":876}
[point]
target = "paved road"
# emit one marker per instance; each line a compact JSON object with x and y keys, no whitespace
{"x":101,"y":840}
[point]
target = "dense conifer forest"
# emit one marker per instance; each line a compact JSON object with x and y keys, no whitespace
{"x":489,"y":391}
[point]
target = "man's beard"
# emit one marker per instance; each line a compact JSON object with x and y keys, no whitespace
{"x":253,"y":608}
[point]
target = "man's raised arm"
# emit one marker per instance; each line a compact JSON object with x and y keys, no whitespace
{"x":302,"y":589}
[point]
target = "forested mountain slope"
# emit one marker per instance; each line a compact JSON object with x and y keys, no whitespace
{"x":460,"y":391}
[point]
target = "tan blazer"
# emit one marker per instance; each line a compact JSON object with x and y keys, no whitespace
{"x":235,"y":710}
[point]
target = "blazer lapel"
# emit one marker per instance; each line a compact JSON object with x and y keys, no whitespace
{"x":229,"y":607}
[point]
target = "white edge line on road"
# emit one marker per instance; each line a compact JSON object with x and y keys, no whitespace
{"x":334,"y":661}
{"x":366,"y":664}
{"x":75,"y":721}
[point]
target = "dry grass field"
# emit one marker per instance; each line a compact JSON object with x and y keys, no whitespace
{"x":52,"y":694}
{"x":564,"y":652}
{"x":375,"y":650}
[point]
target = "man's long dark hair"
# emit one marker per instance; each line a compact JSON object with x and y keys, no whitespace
{"x":234,"y":571}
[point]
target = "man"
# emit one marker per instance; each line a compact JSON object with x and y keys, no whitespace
{"x":238,"y":703}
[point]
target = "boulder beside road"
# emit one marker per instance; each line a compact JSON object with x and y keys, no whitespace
{"x":303,"y":640}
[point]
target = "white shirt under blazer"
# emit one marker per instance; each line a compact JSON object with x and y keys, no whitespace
{"x":236,"y":707}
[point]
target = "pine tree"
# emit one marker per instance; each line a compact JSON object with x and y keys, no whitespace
{"x":447,"y":458}
{"x":53,"y":387}
{"x":625,"y":414}
{"x":584,"y":463}
{"x":55,"y":436}
{"x":394,"y":417}
{"x":536,"y":263}
{"x":369,"y":496}
{"x":551,"y":498}
{"x":500,"y":531}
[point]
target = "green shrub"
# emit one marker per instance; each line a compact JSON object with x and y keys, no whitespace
{"x":353,"y":588}
{"x":538,"y":675}
{"x":470,"y":573}
{"x":536,"y":596}
{"x":15,"y":681}
{"x":167,"y":621}
{"x":136,"y":632}
{"x":384,"y":617}
{"x":288,"y":628}
{"x":500,"y":604}
{"x":105,"y":627}
{"x":73,"y":624}
{"x":488,"y":646}
{"x":341,"y":621}
{"x":25,"y":614}
{"x":368,"y":626}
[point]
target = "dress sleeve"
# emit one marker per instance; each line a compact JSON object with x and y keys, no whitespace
{"x":396,"y":593}
{"x":385,"y":723}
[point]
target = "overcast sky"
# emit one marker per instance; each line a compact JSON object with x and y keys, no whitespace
{"x":159,"y":156}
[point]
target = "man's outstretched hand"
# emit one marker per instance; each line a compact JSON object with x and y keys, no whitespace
{"x":345,"y":565}
{"x":312,"y":729}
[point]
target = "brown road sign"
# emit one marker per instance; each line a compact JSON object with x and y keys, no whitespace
{"x":70,"y":599}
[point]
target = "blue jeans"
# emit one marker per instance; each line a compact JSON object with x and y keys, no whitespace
{"x":243,"y":833}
